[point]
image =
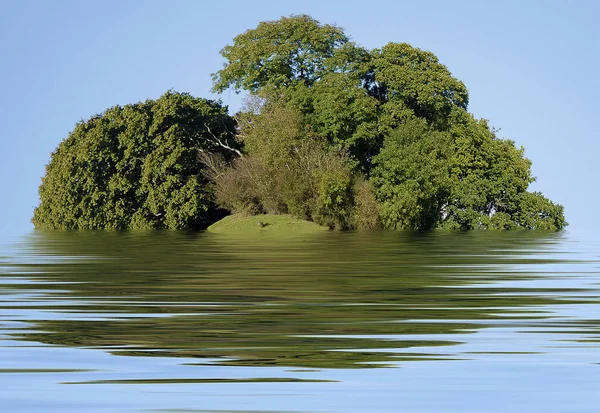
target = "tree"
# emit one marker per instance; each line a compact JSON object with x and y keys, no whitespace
{"x":314,"y":69}
{"x":350,"y":96}
{"x":137,"y":166}
{"x":488,"y":175}
{"x":538,"y":212}
{"x":285,"y":171}
{"x":345,"y":115}
{"x":463,"y":178}
{"x":405,"y":77}
{"x":399,"y":114}
{"x":279,"y":54}
{"x":410,"y":176}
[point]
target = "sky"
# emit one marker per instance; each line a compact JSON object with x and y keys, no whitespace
{"x":531,"y":68}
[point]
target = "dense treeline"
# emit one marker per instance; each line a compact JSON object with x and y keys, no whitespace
{"x":330,"y":132}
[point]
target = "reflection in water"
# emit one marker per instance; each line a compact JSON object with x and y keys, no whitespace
{"x":306,"y":305}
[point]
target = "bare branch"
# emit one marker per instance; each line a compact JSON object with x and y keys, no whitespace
{"x":215,"y":164}
{"x":223,"y":145}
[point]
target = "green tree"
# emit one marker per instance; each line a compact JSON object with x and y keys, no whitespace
{"x":137,"y":166}
{"x":345,"y":115}
{"x":410,"y":81}
{"x":464,"y":178}
{"x":270,"y":132}
{"x":348,"y":95}
{"x":487,"y":175}
{"x":285,"y":171}
{"x":279,"y":54}
{"x":538,"y":212}
{"x":400,"y":116}
{"x":314,"y":69}
{"x":411,"y":176}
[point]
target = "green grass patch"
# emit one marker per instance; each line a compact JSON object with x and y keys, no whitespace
{"x":274,"y":224}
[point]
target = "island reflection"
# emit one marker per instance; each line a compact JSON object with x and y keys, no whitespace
{"x":326,"y":300}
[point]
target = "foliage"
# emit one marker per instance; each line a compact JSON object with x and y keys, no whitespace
{"x":538,"y":212}
{"x":465,"y":178}
{"x":286,"y":171}
{"x":406,"y":77}
{"x":344,"y":114}
{"x":311,"y":183}
{"x":400,"y":119}
{"x":278,"y":54}
{"x":411,"y":176}
{"x":333,"y":198}
{"x":331,"y":132}
{"x":315,"y":70}
{"x":272,"y":133}
{"x":366,"y":210}
{"x":136,"y":167}
{"x":350,"y":96}
{"x":488,"y":176}
{"x":246,"y":186}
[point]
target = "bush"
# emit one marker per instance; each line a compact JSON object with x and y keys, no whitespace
{"x":247,"y":186}
{"x":367,"y":210}
{"x":310,"y":183}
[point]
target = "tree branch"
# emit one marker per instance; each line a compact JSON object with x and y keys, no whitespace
{"x":223,"y":145}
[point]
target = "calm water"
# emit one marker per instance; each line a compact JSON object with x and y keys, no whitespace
{"x":335,"y":322}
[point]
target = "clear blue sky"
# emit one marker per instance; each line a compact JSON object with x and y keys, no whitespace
{"x":531,"y":67}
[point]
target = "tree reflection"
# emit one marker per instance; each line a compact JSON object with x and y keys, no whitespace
{"x":331,"y":300}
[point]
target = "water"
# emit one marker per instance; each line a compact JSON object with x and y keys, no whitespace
{"x":334,"y":322}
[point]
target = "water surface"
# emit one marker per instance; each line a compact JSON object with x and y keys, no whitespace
{"x":332,"y":322}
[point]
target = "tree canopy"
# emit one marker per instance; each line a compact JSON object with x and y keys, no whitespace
{"x":464,"y":178}
{"x":332,"y":132}
{"x":399,"y":118}
{"x":279,"y":54}
{"x":137,"y":166}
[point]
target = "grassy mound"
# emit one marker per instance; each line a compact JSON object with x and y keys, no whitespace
{"x":274,"y":224}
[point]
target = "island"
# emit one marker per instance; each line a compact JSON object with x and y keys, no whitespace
{"x":331,"y":134}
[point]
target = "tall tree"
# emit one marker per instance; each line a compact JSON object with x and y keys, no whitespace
{"x":405,"y":77}
{"x":401,"y":116}
{"x":464,"y":178}
{"x":279,"y":54}
{"x":410,"y":176}
{"x":137,"y":166}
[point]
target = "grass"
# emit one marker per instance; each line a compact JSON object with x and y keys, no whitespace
{"x":274,"y":224}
